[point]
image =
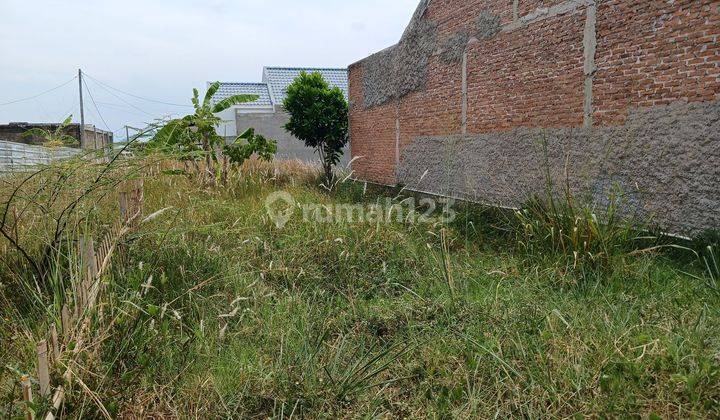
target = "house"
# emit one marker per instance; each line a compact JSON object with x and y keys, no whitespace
{"x":491,"y":100}
{"x":94,"y":137}
{"x":266,"y":114}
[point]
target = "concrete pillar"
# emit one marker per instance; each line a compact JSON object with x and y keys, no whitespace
{"x":463,"y":117}
{"x":590,"y":48}
{"x":397,"y":134}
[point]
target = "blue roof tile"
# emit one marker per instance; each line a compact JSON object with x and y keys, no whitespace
{"x":279,"y":78}
{"x":275,"y":83}
{"x":260,"y":89}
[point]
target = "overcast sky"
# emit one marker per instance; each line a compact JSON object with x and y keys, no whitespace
{"x":161,"y":49}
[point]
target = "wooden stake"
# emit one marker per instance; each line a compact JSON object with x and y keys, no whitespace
{"x":57,"y":401}
{"x":123,"y":202}
{"x":43,"y":368}
{"x":90,"y":260}
{"x":27,"y":396}
{"x":54,"y":342}
{"x":66,"y":323}
{"x":80,"y":286}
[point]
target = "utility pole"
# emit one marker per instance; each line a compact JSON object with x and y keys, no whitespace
{"x":127,"y":134}
{"x":82,"y":111}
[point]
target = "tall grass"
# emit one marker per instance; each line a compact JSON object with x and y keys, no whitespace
{"x":589,"y":240}
{"x":590,"y":237}
{"x":711,"y":258}
{"x":214,"y":312}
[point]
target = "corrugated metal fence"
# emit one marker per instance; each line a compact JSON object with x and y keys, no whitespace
{"x":18,"y":157}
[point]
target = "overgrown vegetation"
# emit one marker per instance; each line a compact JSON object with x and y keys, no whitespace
{"x":215,"y":312}
{"x":194,"y":138}
{"x":53,"y":138}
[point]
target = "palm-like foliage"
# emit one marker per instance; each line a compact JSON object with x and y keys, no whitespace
{"x":194,"y":137}
{"x":53,"y":138}
{"x":248,"y":144}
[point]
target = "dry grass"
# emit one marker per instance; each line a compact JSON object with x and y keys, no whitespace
{"x":215,"y":312}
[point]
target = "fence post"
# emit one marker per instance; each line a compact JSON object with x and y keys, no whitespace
{"x":27,"y":396}
{"x":65,"y":317}
{"x":43,"y":368}
{"x":54,"y":342}
{"x":79,"y":286}
{"x":136,"y":201}
{"x":123,"y":202}
{"x":92,"y":269}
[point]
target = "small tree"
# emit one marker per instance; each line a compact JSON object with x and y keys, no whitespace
{"x":194,"y":137}
{"x":54,"y":138}
{"x":318,"y":117}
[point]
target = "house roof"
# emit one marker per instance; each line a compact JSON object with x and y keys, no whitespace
{"x":260,"y":89}
{"x":279,"y":78}
{"x":275,"y":83}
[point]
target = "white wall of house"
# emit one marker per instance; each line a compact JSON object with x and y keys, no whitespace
{"x":227,"y":128}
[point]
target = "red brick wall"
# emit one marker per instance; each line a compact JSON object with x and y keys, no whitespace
{"x":648,"y":53}
{"x":528,"y":6}
{"x":452,"y":15}
{"x":528,"y":78}
{"x":374,"y":130}
{"x":652,"y":53}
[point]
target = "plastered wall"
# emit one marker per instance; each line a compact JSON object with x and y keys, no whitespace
{"x":623,"y":93}
{"x":272,"y":125}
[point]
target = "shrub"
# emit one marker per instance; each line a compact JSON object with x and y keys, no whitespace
{"x":318,"y":117}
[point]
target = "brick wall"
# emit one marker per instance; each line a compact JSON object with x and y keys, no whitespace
{"x":531,"y":78}
{"x":653,"y":53}
{"x":552,"y":64}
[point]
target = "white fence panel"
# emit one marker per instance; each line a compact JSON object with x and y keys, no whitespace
{"x":18,"y":157}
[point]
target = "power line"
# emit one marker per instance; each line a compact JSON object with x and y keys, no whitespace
{"x":96,"y":107}
{"x":123,"y":108}
{"x":121,"y":99}
{"x":39,"y":94}
{"x":136,"y":96}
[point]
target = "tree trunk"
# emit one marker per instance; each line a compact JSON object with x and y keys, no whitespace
{"x":209,"y":167}
{"x":327,"y":167}
{"x":328,"y":175}
{"x":225,"y":169}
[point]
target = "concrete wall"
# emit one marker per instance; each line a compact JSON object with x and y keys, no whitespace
{"x":18,"y":157}
{"x":622,"y":92}
{"x":272,"y":125}
{"x":228,"y":127}
{"x":94,"y":138}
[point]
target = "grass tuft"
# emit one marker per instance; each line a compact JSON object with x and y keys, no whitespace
{"x":213,"y":311}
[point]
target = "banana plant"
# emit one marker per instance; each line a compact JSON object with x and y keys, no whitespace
{"x":53,"y":138}
{"x":248,"y":144}
{"x":193,"y":136}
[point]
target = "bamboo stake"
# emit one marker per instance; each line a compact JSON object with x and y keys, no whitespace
{"x":65,"y":317}
{"x":57,"y":401}
{"x":27,"y":396}
{"x":43,"y":368}
{"x":54,"y":342}
{"x":92,"y":270}
{"x":123,"y":203}
{"x":80,"y":286}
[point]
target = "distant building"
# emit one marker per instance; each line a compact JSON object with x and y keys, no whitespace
{"x":266,"y":114}
{"x":94,"y":137}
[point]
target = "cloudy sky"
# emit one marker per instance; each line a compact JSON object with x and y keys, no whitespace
{"x":161,"y":49}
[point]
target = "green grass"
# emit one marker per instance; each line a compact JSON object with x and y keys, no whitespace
{"x":243,"y":319}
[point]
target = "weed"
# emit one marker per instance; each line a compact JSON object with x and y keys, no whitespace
{"x":212,"y":311}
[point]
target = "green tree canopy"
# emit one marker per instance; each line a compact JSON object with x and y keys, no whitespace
{"x":318,"y":117}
